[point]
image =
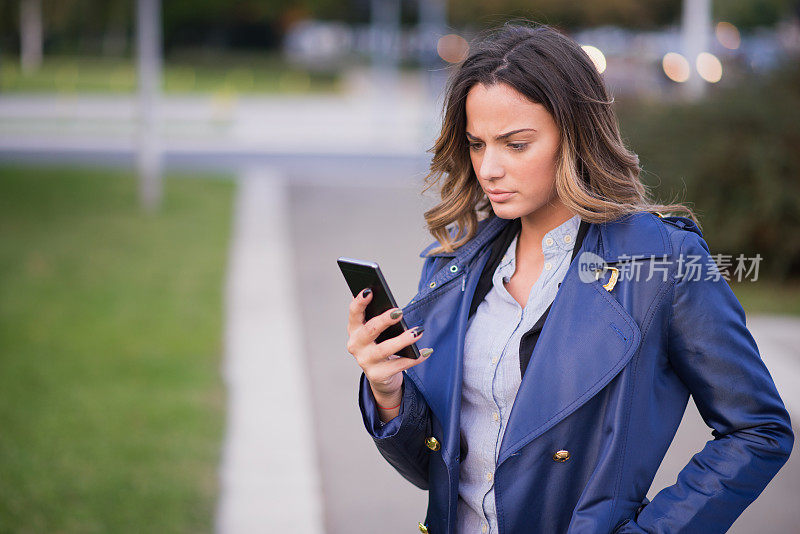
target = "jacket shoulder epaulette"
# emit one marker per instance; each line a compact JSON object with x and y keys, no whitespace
{"x":683,"y":223}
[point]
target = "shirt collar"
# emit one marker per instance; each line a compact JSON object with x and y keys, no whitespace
{"x":559,"y":240}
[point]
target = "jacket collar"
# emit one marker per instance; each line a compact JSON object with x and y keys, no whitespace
{"x":636,"y":235}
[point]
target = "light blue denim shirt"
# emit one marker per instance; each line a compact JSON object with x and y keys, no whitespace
{"x":492,"y":371}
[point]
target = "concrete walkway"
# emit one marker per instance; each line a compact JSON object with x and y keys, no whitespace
{"x":269,"y":474}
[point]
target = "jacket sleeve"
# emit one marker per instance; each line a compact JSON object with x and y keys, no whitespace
{"x":401,"y":441}
{"x":714,"y":354}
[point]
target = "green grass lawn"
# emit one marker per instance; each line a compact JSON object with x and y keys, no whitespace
{"x":768,"y":297}
{"x":228,"y":74}
{"x":111,"y":411}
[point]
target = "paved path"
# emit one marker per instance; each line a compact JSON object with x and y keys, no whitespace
{"x":269,"y":475}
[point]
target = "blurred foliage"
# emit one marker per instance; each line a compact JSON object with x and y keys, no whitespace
{"x":566,"y":13}
{"x":752,"y":13}
{"x":768,"y":296}
{"x":733,"y":156}
{"x":107,"y":26}
{"x":110,"y":347}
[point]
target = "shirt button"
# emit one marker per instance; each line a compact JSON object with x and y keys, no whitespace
{"x":548,"y":241}
{"x":494,"y":360}
{"x":484,"y":528}
{"x":496,"y":416}
{"x":548,"y":266}
{"x":567,"y":239}
{"x":489,"y":477}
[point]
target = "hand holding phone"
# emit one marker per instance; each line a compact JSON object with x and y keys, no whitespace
{"x":371,"y":340}
{"x":361,"y":275}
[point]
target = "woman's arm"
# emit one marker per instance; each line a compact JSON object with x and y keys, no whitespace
{"x":401,"y":441}
{"x":715,"y":355}
{"x":399,"y":432}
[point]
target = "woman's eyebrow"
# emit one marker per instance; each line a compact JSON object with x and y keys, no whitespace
{"x":503,"y":136}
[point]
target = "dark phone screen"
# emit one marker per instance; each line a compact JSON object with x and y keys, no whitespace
{"x":361,"y":275}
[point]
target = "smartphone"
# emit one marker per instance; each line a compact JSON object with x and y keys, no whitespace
{"x":360,"y":275}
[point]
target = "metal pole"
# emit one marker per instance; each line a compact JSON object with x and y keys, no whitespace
{"x":30,"y":34}
{"x":148,"y":32}
{"x":432,"y":26}
{"x":385,"y":37}
{"x":696,"y":27}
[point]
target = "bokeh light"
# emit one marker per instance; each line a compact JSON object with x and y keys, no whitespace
{"x":728,"y":35}
{"x":597,"y":57}
{"x":676,"y":67}
{"x":452,"y":48}
{"x":709,"y":67}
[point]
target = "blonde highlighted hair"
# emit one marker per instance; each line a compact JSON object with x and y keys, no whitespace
{"x":597,"y":177}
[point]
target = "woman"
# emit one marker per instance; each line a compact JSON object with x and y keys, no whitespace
{"x":564,"y":329}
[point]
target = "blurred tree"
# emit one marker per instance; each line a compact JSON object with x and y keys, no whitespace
{"x":733,"y":156}
{"x":106,"y":26}
{"x":567,"y":13}
{"x":751,"y":13}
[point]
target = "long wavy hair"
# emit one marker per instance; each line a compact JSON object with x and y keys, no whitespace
{"x":597,"y":177}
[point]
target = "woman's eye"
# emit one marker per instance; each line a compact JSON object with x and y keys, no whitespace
{"x":474,"y":146}
{"x":518,"y":146}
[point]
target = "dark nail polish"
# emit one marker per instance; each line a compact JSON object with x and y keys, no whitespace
{"x":366,"y":292}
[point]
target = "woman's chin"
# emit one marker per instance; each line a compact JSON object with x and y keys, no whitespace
{"x":505,"y":211}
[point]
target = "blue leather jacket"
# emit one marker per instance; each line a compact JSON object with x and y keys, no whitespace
{"x":603,"y":394}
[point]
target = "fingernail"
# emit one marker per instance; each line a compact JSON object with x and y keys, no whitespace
{"x":366,"y":292}
{"x":418,"y":330}
{"x":396,"y":314}
{"x":425,"y":352}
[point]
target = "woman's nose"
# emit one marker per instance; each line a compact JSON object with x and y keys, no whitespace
{"x":491,"y":167}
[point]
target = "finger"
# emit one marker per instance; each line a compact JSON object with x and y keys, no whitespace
{"x":357,"y":307}
{"x":394,"y":345}
{"x":375,"y":326}
{"x":399,"y":365}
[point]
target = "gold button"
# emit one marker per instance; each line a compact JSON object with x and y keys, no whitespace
{"x":496,"y":416}
{"x":489,"y":476}
{"x":561,"y":456}
{"x":548,"y":241}
{"x":484,"y":528}
{"x":567,"y":238}
{"x":432,"y":443}
{"x":423,"y":529}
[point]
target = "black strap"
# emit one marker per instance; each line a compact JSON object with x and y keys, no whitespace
{"x":500,"y":245}
{"x":529,"y":338}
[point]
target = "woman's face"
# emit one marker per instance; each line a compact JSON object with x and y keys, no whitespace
{"x":513,"y":145}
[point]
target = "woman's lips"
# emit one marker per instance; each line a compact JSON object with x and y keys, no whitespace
{"x":499,"y":196}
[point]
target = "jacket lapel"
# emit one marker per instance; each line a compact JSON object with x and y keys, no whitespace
{"x":440,"y":378}
{"x":587,"y":338}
